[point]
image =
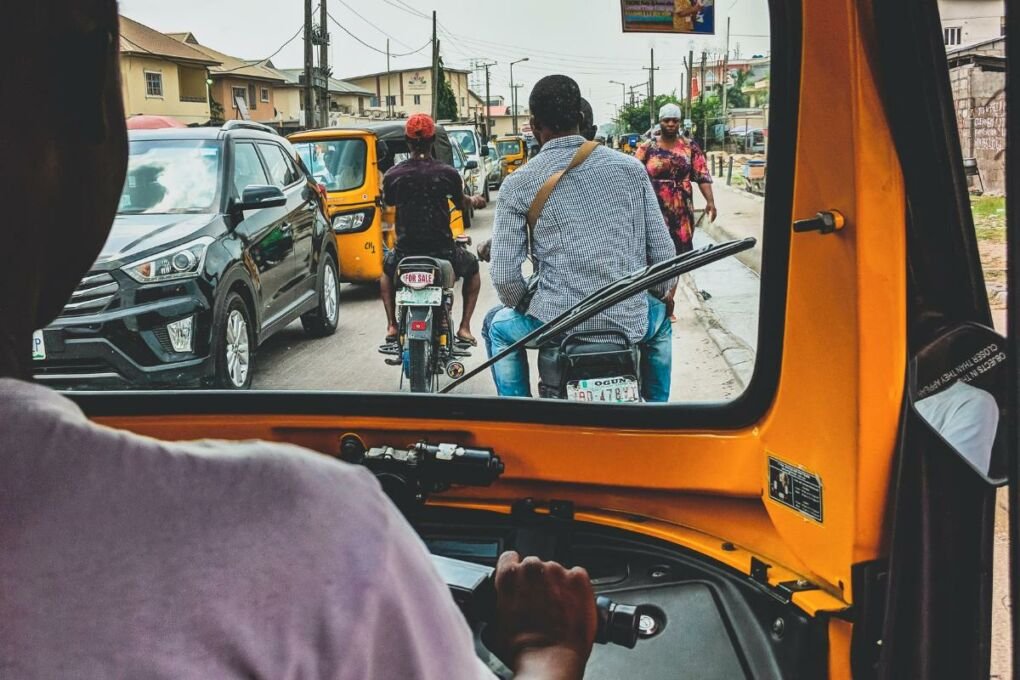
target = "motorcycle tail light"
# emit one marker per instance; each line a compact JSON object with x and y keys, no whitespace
{"x":419,"y":326}
{"x":417,"y":280}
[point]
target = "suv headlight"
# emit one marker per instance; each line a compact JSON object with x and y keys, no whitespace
{"x":348,"y":223}
{"x":182,"y":262}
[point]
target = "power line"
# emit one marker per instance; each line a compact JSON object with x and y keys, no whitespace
{"x":372,"y":47}
{"x":360,"y":16}
{"x":262,"y":61}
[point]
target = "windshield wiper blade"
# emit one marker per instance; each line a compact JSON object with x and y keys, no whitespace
{"x":612,"y":294}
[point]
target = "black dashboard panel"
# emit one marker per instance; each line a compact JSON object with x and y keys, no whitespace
{"x":708,"y":621}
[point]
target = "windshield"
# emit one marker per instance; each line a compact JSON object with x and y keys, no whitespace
{"x":339,"y":164}
{"x":597,"y":227}
{"x":171,"y":176}
{"x":509,"y":148}
{"x":465,"y":139}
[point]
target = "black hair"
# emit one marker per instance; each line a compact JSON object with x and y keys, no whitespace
{"x":556,"y":103}
{"x":419,"y":145}
{"x":588,"y":128}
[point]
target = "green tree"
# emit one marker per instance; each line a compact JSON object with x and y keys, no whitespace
{"x":447,"y":109}
{"x":638,"y":118}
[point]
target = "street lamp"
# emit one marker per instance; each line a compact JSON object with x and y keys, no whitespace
{"x":624,"y":86}
{"x":513,"y":91}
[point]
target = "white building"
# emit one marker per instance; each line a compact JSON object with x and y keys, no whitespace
{"x":965,"y":22}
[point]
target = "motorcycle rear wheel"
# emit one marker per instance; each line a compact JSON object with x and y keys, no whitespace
{"x":421,"y":372}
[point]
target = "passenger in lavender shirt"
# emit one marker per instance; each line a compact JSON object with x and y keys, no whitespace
{"x":125,"y":556}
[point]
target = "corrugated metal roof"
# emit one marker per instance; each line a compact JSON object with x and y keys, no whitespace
{"x":293,"y":76}
{"x":229,"y":65}
{"x":136,"y":38}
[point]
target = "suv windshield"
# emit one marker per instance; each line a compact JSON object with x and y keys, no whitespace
{"x":337,"y":164}
{"x":465,"y":139}
{"x":171,"y":176}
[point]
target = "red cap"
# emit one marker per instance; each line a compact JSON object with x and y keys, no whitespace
{"x":420,"y":126}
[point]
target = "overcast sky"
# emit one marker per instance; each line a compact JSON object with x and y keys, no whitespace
{"x":581,"y":38}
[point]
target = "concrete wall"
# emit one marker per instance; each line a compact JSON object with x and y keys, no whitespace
{"x":137,"y":101}
{"x":258,"y":110}
{"x":980,"y":99}
{"x":977,"y":20}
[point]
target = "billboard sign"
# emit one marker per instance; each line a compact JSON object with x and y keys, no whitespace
{"x":669,"y":16}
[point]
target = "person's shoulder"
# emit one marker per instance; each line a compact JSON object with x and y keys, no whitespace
{"x":616,"y":159}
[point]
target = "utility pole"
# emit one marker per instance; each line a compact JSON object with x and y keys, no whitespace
{"x":309,"y":121}
{"x":487,"y":65}
{"x":389,"y":82}
{"x":690,"y":85}
{"x":725,"y":70}
{"x":324,"y":62}
{"x":435,"y":68}
{"x":513,"y":100}
{"x":704,"y":111}
{"x":651,"y":91}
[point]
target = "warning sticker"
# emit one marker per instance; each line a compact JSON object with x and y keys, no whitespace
{"x":795,"y":488}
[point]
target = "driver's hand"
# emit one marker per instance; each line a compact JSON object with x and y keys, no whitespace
{"x":545,"y":618}
{"x":485,"y":250}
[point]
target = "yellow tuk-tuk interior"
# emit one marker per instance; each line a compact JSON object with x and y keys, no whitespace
{"x":801,"y":517}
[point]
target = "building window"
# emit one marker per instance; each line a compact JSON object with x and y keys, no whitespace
{"x":463,"y":102}
{"x":391,"y":100}
{"x":265,"y":94}
{"x":153,"y":84}
{"x":1002,"y":26}
{"x":417,"y":100}
{"x":374,"y":103}
{"x":952,"y":36}
{"x":238,"y":93}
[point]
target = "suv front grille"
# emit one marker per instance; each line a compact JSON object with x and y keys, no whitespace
{"x":93,"y":295}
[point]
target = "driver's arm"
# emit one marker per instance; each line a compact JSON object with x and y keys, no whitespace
{"x":657,"y":241}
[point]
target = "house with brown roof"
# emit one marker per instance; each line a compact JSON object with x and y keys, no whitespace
{"x":162,"y":76}
{"x":253,"y":83}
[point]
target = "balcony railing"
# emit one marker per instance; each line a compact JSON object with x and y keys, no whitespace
{"x":194,"y":100}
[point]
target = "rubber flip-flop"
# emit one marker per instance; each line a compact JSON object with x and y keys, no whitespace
{"x":468,"y":342}
{"x":391,"y":340}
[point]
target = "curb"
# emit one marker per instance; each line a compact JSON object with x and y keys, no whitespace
{"x":739,"y":357}
{"x":749,"y":258}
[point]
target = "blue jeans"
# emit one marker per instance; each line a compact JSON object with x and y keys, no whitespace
{"x":503,"y":327}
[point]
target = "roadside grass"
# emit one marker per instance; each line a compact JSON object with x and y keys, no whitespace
{"x":989,"y":217}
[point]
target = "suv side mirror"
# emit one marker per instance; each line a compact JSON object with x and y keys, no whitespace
{"x":484,"y":152}
{"x":262,"y":196}
{"x":472,"y":165}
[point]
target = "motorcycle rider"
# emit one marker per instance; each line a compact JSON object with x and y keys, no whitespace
{"x":583,"y":241}
{"x":421,"y":189}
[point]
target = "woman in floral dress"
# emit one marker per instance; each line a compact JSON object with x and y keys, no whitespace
{"x":674,"y":165}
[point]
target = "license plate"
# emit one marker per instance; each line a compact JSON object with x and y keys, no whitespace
{"x":38,"y":346}
{"x":424,"y":297}
{"x":620,"y":390}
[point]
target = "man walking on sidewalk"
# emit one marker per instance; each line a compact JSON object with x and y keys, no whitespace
{"x":583,"y":240}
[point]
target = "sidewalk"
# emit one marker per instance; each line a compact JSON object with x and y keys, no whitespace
{"x":725,"y":296}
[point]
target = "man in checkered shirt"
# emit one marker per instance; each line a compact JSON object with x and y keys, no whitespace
{"x":600,"y":224}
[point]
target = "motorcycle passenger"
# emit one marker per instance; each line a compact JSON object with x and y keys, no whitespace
{"x":600,"y":224}
{"x":125,"y":556}
{"x":421,"y":188}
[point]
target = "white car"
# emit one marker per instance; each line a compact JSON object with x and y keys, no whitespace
{"x":470,"y":142}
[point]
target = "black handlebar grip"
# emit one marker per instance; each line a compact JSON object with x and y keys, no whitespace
{"x":618,"y":623}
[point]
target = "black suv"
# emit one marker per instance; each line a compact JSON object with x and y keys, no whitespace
{"x":220,"y":241}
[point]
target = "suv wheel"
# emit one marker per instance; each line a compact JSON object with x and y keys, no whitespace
{"x":234,"y":345}
{"x":485,"y":195}
{"x":469,"y":212}
{"x":322,"y":321}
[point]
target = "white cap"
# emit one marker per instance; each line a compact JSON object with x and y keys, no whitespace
{"x":670,"y":111}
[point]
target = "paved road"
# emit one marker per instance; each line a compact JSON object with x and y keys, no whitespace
{"x":289,"y":360}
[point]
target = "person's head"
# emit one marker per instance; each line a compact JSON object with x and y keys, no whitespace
{"x":555,"y":108}
{"x":75,"y":134}
{"x":421,"y":134}
{"x":588,"y":128}
{"x":669,"y":121}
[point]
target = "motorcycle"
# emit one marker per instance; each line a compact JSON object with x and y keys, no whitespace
{"x":574,"y":368}
{"x":578,"y":369}
{"x":426,"y":347}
